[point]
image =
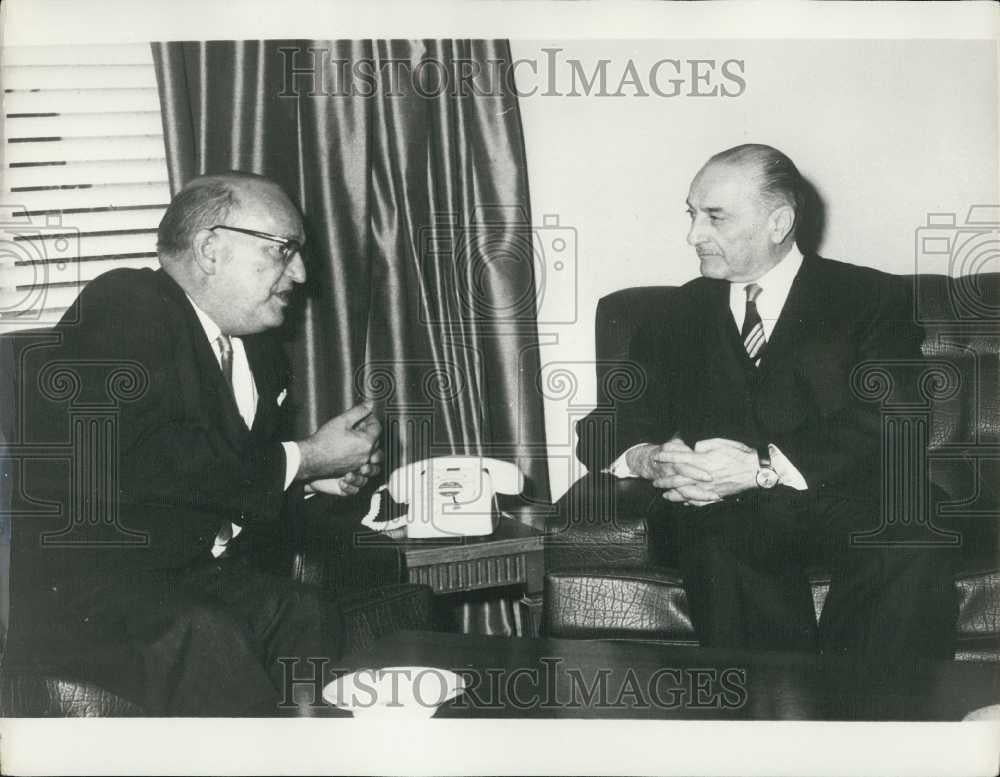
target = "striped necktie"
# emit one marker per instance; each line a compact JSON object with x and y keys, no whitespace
{"x":226,"y":359}
{"x":225,"y":535}
{"x":753,"y":327}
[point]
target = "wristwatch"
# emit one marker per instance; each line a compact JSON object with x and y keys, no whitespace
{"x":766,"y":476}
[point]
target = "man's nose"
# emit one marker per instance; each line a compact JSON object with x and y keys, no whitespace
{"x":694,"y":235}
{"x":296,"y":269}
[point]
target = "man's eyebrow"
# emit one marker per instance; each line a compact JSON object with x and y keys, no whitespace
{"x":711,"y":209}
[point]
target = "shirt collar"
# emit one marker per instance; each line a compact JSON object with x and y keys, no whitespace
{"x":780,"y":277}
{"x":776,"y":282}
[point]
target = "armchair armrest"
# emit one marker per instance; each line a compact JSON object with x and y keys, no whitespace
{"x":605,"y":521}
{"x":27,"y":694}
{"x":626,"y":602}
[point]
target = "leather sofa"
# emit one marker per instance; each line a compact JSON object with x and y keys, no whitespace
{"x":610,"y":564}
{"x":366,"y":580}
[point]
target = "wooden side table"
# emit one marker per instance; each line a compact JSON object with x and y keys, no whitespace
{"x":512,"y":556}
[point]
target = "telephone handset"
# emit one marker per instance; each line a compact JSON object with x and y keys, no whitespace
{"x":453,"y":495}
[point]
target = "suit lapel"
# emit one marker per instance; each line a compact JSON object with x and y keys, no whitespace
{"x":211,"y":392}
{"x":265,"y":365}
{"x":798,"y":318}
{"x":726,"y":340}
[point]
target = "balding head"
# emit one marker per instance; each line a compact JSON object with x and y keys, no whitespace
{"x":224,"y":239}
{"x":205,"y":201}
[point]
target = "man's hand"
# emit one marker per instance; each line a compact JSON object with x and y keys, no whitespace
{"x":352,"y":482}
{"x":683,"y":482}
{"x":730,"y":465}
{"x":342,"y":445}
{"x":642,"y":461}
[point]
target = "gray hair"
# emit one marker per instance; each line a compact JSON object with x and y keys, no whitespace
{"x":779,"y":180}
{"x":203,"y":202}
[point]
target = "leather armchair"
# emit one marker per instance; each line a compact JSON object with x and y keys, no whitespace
{"x":610,"y":563}
{"x":320,"y":544}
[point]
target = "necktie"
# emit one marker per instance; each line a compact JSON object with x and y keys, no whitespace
{"x":226,"y":359}
{"x":226,"y":362}
{"x":753,"y":327}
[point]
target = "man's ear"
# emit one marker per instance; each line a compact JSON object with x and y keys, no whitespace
{"x":780,"y":223}
{"x":205,"y":248}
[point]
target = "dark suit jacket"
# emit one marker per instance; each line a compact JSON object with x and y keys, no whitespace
{"x":700,"y":384}
{"x":186,"y":460}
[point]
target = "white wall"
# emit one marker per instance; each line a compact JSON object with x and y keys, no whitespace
{"x":887,"y":131}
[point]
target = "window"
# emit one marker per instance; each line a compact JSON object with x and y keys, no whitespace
{"x":85,"y":174}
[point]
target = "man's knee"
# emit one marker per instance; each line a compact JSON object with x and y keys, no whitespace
{"x":204,"y":626}
{"x":288,"y":601}
{"x":896,"y":559}
{"x":931,"y":570}
{"x":305,"y":622}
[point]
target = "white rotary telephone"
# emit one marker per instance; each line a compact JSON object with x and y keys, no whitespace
{"x":453,"y":495}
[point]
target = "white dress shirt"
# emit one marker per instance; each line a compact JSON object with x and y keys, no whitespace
{"x":775,"y":285}
{"x":245,"y":391}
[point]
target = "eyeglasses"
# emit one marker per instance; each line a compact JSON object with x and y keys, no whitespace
{"x":287,"y":247}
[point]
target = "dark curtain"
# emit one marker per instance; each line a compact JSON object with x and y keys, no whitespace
{"x":407,"y":161}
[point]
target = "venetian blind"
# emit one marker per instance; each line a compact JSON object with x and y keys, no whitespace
{"x":85,"y":175}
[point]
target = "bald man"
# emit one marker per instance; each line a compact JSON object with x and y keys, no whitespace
{"x":766,"y":459}
{"x":175,"y":616}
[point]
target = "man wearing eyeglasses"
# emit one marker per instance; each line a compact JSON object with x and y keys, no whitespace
{"x":181,"y":621}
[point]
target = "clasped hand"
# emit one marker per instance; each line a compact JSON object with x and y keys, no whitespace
{"x":350,"y":483}
{"x":702,"y":475}
{"x":341,"y":456}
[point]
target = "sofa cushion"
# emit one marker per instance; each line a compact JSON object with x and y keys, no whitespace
{"x":979,"y":606}
{"x":28,"y":695}
{"x":641,"y":603}
{"x":650,"y":603}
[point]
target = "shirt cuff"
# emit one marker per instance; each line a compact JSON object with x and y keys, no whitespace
{"x":620,"y":468}
{"x":293,"y":458}
{"x":331,"y":487}
{"x":788,"y":475}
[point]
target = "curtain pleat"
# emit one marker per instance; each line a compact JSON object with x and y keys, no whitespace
{"x":421,"y":266}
